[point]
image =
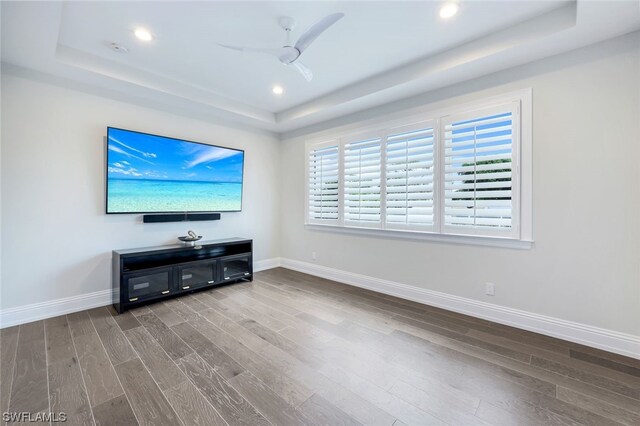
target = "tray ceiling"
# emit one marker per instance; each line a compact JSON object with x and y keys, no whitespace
{"x":379,"y":52}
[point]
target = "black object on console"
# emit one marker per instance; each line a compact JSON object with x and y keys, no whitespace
{"x":179,"y":217}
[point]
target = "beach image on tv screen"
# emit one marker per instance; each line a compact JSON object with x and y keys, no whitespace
{"x":147,"y":174}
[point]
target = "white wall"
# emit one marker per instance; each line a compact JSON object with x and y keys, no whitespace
{"x":56,"y":239}
{"x":585,"y":266}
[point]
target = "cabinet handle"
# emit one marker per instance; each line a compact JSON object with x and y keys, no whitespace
{"x":133,"y":299}
{"x":246,"y":273}
{"x":227,"y":278}
{"x":210,"y":282}
{"x":186,"y":287}
{"x":165,"y":292}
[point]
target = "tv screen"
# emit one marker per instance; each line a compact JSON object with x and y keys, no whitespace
{"x":156,"y":174}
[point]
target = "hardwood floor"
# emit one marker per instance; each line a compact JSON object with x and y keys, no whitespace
{"x":292,"y":349}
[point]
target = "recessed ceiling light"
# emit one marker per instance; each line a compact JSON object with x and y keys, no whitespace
{"x":143,"y":34}
{"x":277,"y":90}
{"x":448,"y":10}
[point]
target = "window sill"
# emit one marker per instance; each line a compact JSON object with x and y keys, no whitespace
{"x":474,"y":240}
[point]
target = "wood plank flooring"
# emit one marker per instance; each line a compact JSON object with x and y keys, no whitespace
{"x":292,"y":349}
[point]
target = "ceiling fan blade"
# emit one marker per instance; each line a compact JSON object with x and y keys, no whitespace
{"x":306,"y":72}
{"x":277,"y":52}
{"x":316,"y":29}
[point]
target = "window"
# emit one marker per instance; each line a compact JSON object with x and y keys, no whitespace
{"x":323,"y":184}
{"x":453,"y":173}
{"x":410,"y":178}
{"x":479,"y":156}
{"x":362,"y":174}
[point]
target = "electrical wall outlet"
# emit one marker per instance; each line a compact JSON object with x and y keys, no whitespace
{"x":489,"y":289}
{"x":313,"y":255}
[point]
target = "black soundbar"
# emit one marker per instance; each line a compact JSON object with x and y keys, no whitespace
{"x":179,"y":217}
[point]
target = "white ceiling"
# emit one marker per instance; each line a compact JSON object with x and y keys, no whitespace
{"x":379,"y":52}
{"x":372,"y":38}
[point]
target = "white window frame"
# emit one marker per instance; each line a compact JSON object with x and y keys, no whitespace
{"x":514,"y":231}
{"x":521,"y":234}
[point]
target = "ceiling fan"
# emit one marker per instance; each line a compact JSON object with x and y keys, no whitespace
{"x":288,"y":54}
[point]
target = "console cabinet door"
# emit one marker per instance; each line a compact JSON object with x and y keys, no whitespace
{"x":197,"y":275}
{"x":236,"y":267}
{"x":147,"y":284}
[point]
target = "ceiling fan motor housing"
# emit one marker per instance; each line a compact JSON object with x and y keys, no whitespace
{"x":290,"y":55}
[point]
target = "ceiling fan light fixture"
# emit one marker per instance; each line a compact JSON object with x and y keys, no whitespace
{"x":448,"y":10}
{"x":143,"y":34}
{"x":277,"y":90}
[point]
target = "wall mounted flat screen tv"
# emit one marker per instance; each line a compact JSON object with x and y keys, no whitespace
{"x":156,"y":174}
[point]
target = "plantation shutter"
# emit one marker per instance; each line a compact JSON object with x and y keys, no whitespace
{"x":323,"y":184}
{"x":362,"y":192}
{"x":479,"y":161}
{"x":410,"y":178}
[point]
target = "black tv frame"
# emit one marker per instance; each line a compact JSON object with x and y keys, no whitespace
{"x":106,"y":174}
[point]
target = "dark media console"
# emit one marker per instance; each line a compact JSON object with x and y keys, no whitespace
{"x":151,"y":274}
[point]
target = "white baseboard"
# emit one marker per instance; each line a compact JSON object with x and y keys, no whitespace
{"x":53,"y":308}
{"x":612,"y":341}
{"x":608,"y":340}
{"x":261,"y":265}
